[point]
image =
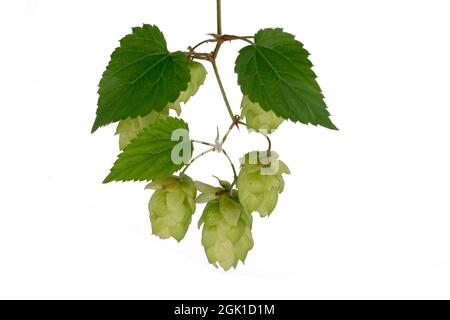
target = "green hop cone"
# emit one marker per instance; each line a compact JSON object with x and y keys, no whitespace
{"x":260,"y":181}
{"x":257,"y":118}
{"x":129,"y":128}
{"x":198,"y":76}
{"x":172,"y":206}
{"x":227,"y":230}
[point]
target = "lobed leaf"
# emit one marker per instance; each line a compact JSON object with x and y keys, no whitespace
{"x":149,"y":155}
{"x":142,"y":76}
{"x":276,"y":73}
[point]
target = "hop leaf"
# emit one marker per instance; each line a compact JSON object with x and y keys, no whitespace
{"x":276,"y":72}
{"x":142,"y":76}
{"x":172,"y":206}
{"x":128,"y":129}
{"x":260,"y":181}
{"x":227,"y":231}
{"x":152,"y":154}
{"x":257,"y":118}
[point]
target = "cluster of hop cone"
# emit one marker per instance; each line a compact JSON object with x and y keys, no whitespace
{"x":226,"y":221}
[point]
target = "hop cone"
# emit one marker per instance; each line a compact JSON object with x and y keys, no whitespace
{"x":260,"y":181}
{"x":257,"y":118}
{"x":227,"y":231}
{"x":198,"y":76}
{"x":172,"y":206}
{"x":129,"y":128}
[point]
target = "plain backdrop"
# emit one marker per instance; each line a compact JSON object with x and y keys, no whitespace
{"x":366,"y":210}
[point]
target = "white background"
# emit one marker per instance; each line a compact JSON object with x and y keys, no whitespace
{"x":366,"y":210}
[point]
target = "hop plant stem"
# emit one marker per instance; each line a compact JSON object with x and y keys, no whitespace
{"x":219,"y":39}
{"x":219,"y":17}
{"x":196,"y":158}
{"x":235,"y":176}
{"x":269,"y":147}
{"x":222,"y":89}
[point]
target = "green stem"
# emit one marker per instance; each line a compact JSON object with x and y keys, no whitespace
{"x":203,"y":142}
{"x":201,"y":43}
{"x":197,"y":55}
{"x":222,"y":89}
{"x":219,"y":17}
{"x":269,"y":148}
{"x":228,"y":133}
{"x":232,"y":167}
{"x":194,"y":159}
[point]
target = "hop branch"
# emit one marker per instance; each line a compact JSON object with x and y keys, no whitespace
{"x":144,"y":90}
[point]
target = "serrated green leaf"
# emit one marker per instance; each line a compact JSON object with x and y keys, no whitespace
{"x":149,"y":155}
{"x":276,"y":73}
{"x":142,"y":76}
